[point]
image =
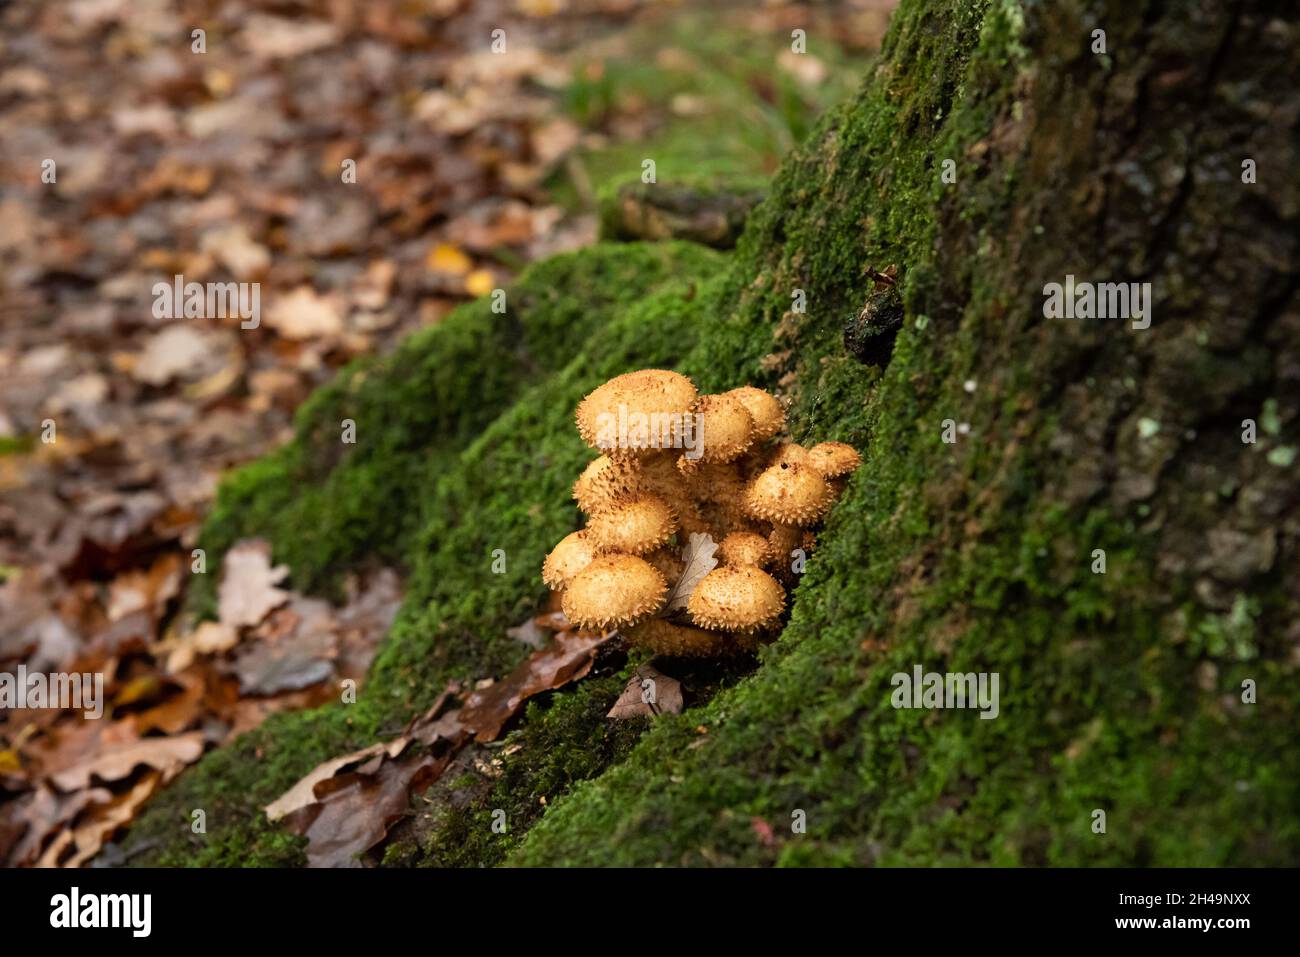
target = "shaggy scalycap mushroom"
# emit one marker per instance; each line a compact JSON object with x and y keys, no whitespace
{"x":603,"y":483}
{"x":790,"y":453}
{"x":637,"y":526}
{"x":572,"y":555}
{"x":833,"y":459}
{"x":791,"y":494}
{"x":614,"y":591}
{"x":740,"y":598}
{"x":660,"y":396}
{"x":763,"y":408}
{"x":744,"y":548}
{"x":726,"y":427}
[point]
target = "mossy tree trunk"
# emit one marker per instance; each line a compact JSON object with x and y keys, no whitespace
{"x":1126,"y":691}
{"x":994,"y":150}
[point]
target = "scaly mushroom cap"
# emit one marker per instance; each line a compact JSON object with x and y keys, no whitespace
{"x":637,"y":526}
{"x":763,"y":408}
{"x":833,"y":459}
{"x":603,"y":483}
{"x":726,"y":429}
{"x":743,"y":548}
{"x":574,"y":553}
{"x":660,"y":396}
{"x":740,"y":598}
{"x":789,"y":493}
{"x":789,"y":453}
{"x":614,"y":591}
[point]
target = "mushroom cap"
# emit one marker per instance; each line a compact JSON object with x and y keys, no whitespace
{"x":789,"y":453}
{"x":610,"y":408}
{"x":636,"y":526}
{"x":763,"y":407}
{"x":833,"y":459}
{"x":726,"y":429}
{"x":741,"y":598}
{"x":574,"y":553}
{"x":744,"y":548}
{"x":789,"y":493}
{"x":603,"y":483}
{"x":614,"y":591}
{"x":662,"y":637}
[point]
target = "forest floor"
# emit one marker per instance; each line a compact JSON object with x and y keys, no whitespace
{"x":370,"y":171}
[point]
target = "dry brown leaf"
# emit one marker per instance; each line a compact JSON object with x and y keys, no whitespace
{"x":247,"y":592}
{"x":567,"y":658}
{"x":649,"y":692}
{"x":304,"y":314}
{"x":699,"y":561}
{"x":167,"y":755}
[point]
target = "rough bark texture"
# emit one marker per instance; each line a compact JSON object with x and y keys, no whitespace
{"x":1120,"y":691}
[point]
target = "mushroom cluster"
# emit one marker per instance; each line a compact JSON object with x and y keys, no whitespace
{"x":676,"y":465}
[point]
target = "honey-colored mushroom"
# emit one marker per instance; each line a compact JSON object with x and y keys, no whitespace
{"x":744,"y":548}
{"x":791,"y":494}
{"x":637,"y":526}
{"x":740,"y":598}
{"x":763,"y":408}
{"x":725,"y":428}
{"x":635,"y":412}
{"x":834,"y":459}
{"x":574,"y":553}
{"x":603,"y":483}
{"x":614,"y":591}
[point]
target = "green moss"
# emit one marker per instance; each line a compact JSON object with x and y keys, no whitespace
{"x":325,"y":504}
{"x":1119,"y":691}
{"x":505,"y":488}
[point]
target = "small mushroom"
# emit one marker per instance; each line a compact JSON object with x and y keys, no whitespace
{"x":614,"y":591}
{"x":763,"y":408}
{"x":726,"y":429}
{"x":834,"y":459}
{"x":574,"y":553}
{"x":744,"y":548}
{"x":635,"y":412}
{"x":603,"y":483}
{"x":791,"y":494}
{"x":790,"y":453}
{"x":635,"y":527}
{"x":740,"y":598}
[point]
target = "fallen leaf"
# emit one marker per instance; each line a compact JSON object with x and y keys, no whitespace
{"x":649,"y":692}
{"x":446,"y":258}
{"x":567,"y":658}
{"x":699,"y":561}
{"x":303,"y":314}
{"x":167,"y":755}
{"x":247,"y":592}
